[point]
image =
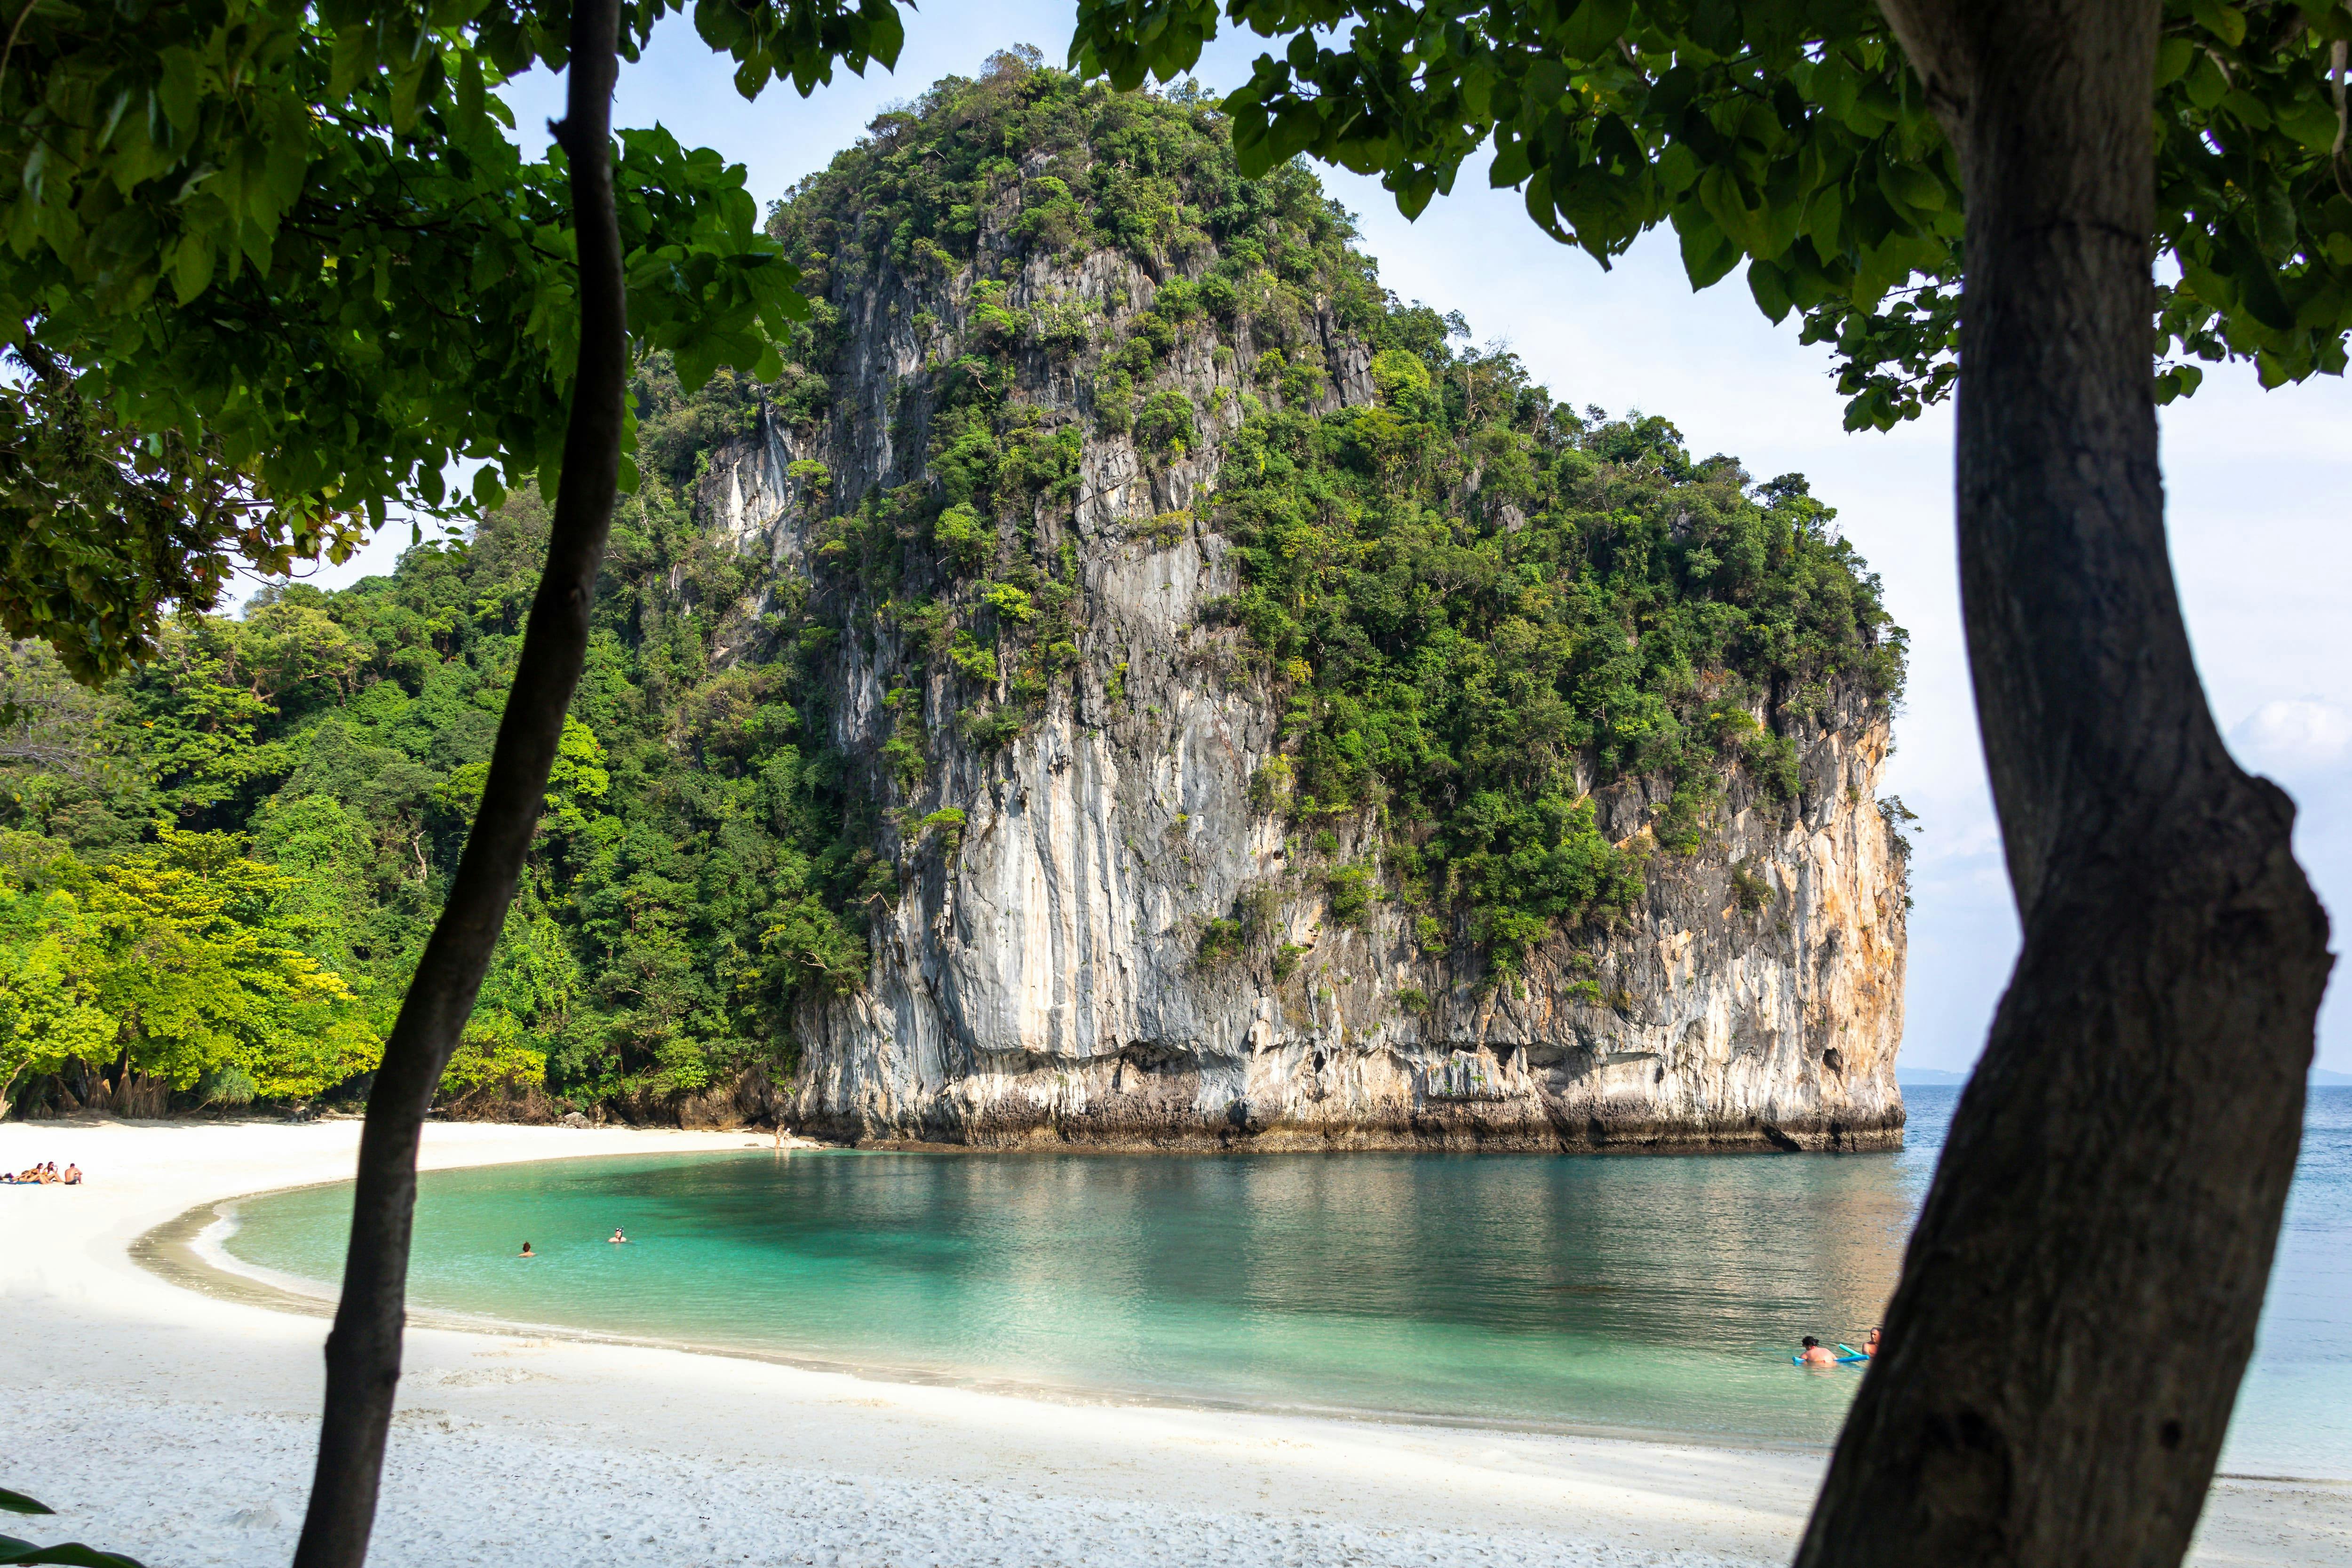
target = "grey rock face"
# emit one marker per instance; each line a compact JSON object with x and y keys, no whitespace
{"x":1045,"y":981}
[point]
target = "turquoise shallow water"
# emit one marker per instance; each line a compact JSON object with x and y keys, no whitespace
{"x":1654,"y":1294}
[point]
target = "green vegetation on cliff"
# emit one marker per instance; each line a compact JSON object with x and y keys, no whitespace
{"x":1473,"y":604}
{"x":1477,"y":617}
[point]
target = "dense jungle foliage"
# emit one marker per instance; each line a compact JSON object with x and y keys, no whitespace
{"x":1474,"y":605}
{"x":1479,"y":616}
{"x":250,"y":835}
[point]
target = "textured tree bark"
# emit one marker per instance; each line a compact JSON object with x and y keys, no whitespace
{"x":2079,"y":1300}
{"x":363,"y":1349}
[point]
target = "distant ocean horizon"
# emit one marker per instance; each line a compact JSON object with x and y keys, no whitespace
{"x":1937,"y":1077}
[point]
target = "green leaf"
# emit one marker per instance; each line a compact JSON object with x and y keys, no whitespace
{"x":2257,"y":285}
{"x":1593,"y":27}
{"x":177,"y":88}
{"x":2226,"y":22}
{"x":72,"y":1554}
{"x":2206,"y":86}
{"x":2178,"y":380}
{"x":1541,"y":208}
{"x":2310,"y":121}
{"x":192,"y":264}
{"x":1709,"y":253}
{"x":2172,"y":60}
{"x":1510,"y":166}
{"x":17,"y":1502}
{"x":1678,"y":169}
{"x":1914,"y":186}
{"x":2249,"y":111}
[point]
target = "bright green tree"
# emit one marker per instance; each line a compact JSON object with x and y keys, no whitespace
{"x":181,"y":960}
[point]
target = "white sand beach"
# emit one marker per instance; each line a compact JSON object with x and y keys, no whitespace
{"x":178,"y":1426}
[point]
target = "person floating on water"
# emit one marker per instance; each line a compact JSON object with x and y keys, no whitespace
{"x":616,"y":1237}
{"x":1817,"y":1355}
{"x":526,"y":1251}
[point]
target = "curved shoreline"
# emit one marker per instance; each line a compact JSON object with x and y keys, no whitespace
{"x":170,"y":1251}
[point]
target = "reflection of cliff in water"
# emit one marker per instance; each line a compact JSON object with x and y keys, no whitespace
{"x":1717,"y":1252}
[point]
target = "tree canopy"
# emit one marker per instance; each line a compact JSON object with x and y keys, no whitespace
{"x":271,"y":268}
{"x":187,"y":959}
{"x":1796,"y":138}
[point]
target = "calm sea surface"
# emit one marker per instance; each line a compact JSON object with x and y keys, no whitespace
{"x":1626,"y":1292}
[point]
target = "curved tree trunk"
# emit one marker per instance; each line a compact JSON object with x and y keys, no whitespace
{"x":364,"y":1350}
{"x":2079,"y":1300}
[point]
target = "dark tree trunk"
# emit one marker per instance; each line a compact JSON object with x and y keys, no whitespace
{"x":364,"y":1350}
{"x":2079,"y":1299}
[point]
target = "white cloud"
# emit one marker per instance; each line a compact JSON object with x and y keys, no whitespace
{"x":2295,"y":735}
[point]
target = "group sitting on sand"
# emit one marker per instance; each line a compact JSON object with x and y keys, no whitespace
{"x":1819,"y":1354}
{"x":43,"y":1176}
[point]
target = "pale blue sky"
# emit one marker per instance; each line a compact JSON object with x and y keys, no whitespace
{"x":2258,"y":482}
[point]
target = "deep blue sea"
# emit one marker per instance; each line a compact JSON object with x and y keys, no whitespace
{"x":1653,"y":1294}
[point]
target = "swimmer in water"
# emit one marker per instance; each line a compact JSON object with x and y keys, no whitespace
{"x":526,"y":1251}
{"x":1817,"y":1355}
{"x":616,"y":1237}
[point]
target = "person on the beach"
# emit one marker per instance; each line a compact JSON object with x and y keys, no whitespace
{"x":526,"y":1251}
{"x":1816,"y":1354}
{"x":617,"y":1237}
{"x":1870,"y":1345}
{"x":73,"y":1174}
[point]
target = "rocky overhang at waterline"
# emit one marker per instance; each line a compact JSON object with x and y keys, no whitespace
{"x":1278,"y":727}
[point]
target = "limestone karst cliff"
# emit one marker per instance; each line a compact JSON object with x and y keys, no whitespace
{"x":1180,"y":843}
